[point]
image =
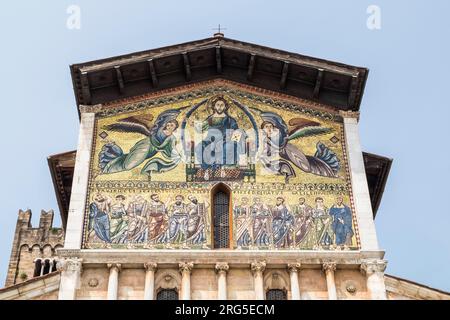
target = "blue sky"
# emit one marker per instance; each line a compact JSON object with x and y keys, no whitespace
{"x":404,"y":110}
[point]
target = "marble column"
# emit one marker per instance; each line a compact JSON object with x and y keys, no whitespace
{"x":42,"y":268}
{"x":374,"y":271}
{"x":71,"y":269}
{"x":222,"y":269}
{"x":294,"y":269}
{"x":258,"y":268}
{"x":113,"y":281}
{"x":185,"y":269}
{"x":329,"y":268}
{"x":149,"y":287}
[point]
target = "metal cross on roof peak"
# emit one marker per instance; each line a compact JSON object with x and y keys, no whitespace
{"x":219,"y":30}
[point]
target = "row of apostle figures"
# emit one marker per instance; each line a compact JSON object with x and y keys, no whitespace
{"x":148,"y":222}
{"x":184,"y":223}
{"x":299,"y":226}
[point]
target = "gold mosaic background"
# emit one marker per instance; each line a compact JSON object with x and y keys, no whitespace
{"x":128,"y":208}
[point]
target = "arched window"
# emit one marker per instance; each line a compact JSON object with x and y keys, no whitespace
{"x":46,"y":267}
{"x":167,"y":294}
{"x":221,"y":217}
{"x":37,"y":267}
{"x":276,"y":294}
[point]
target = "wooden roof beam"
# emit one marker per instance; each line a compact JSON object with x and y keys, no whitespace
{"x":318,"y":84}
{"x":353,"y":91}
{"x":187,"y":66}
{"x":120,"y":82}
{"x":218,"y":59}
{"x":284,"y":75}
{"x":153,"y":76}
{"x":85,"y":88}
{"x":251,"y":67}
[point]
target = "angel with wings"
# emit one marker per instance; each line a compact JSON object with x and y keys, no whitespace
{"x":278,"y":154}
{"x":159,"y":139}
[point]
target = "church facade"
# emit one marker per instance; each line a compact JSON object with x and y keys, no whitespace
{"x":213,"y":169}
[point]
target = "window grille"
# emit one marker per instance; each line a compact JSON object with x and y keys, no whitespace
{"x":167,"y":294}
{"x":221,"y":220}
{"x":276,"y":294}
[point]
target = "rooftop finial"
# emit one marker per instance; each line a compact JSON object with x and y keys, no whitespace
{"x":219,"y":34}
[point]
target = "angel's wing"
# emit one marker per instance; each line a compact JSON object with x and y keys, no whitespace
{"x":305,"y":128}
{"x":163,"y":118}
{"x":137,"y":124}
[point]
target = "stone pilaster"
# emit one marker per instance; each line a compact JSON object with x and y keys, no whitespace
{"x":258,"y":268}
{"x":149,"y":289}
{"x":185,"y":270}
{"x":71,"y":269}
{"x":113,"y":281}
{"x":360,"y":189}
{"x":294,"y":269}
{"x":222,"y":270}
{"x":329,"y":268}
{"x":74,"y":229}
{"x":374,"y":271}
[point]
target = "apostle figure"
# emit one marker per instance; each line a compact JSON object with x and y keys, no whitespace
{"x":118,"y":220}
{"x":196,"y":223}
{"x":177,"y":228}
{"x":282,"y":224}
{"x":262,"y":223}
{"x":342,"y":222}
{"x":98,"y":217}
{"x":220,"y":145}
{"x":156,"y":218}
{"x":243,"y":220}
{"x":323,"y":222}
{"x":303,"y":219}
{"x":137,"y":212}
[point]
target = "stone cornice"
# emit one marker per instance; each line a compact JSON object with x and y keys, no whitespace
{"x":235,"y":258}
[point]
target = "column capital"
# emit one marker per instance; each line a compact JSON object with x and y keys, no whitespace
{"x":349,"y":114}
{"x":150,"y":266}
{"x":258,"y":266}
{"x":294,"y":267}
{"x":329,"y":266}
{"x":117,"y":266}
{"x":372,"y":266}
{"x":222,"y":267}
{"x":70,"y":264}
{"x":186,"y":266}
{"x":91,"y":108}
